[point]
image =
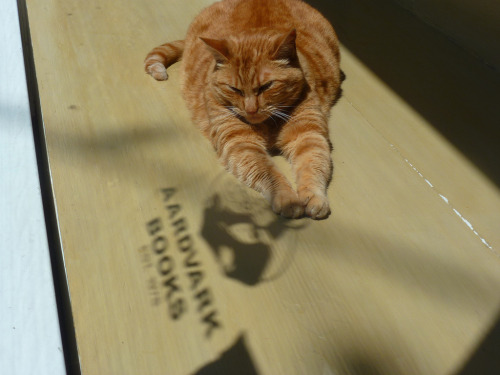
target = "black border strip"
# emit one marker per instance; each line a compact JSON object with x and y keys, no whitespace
{"x":68,"y":335}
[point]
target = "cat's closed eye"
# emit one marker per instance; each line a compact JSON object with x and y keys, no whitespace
{"x":265,"y":86}
{"x":238,"y":91}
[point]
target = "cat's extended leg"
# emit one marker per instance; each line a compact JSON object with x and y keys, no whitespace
{"x":308,"y":149}
{"x":160,"y":58}
{"x":243,"y":153}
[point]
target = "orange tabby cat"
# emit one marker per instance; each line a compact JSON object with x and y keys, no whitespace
{"x":260,"y":77}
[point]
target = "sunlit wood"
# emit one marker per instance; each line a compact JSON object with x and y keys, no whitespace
{"x":171,"y":263}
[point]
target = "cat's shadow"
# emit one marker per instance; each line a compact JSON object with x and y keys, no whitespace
{"x":248,"y":240}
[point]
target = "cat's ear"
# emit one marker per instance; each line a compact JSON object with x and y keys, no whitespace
{"x":287,"y":50}
{"x":219,"y":49}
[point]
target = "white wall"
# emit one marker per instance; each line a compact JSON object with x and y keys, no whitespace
{"x":30,"y":340}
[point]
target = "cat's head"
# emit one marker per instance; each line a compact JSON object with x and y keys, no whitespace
{"x":256,"y":75}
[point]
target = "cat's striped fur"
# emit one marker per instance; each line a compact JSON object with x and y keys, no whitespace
{"x":260,"y":77}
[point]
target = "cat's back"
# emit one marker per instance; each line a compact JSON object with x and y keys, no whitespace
{"x":230,"y":17}
{"x":315,"y":35}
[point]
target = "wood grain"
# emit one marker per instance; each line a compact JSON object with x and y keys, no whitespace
{"x":174,"y":268}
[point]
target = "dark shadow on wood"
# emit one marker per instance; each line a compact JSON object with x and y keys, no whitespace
{"x":453,"y":90}
{"x":243,"y":233}
{"x":235,"y":361}
{"x":486,"y":358}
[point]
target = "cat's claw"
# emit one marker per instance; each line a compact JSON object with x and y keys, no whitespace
{"x":287,"y":204}
{"x":316,"y":206}
{"x":157,"y":71}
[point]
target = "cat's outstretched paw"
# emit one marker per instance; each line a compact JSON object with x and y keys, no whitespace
{"x":316,"y":206}
{"x":287,"y":204}
{"x":156,"y":70}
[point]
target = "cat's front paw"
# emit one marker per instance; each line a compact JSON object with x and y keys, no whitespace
{"x":316,"y":206}
{"x":287,"y":204}
{"x":156,"y":70}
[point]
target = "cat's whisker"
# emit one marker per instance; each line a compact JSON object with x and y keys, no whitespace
{"x":269,"y":113}
{"x":279,"y":116}
{"x":272,"y":118}
{"x":274,"y":112}
{"x":284,"y":107}
{"x":231,"y":109}
{"x":230,"y":113}
{"x":282,"y":115}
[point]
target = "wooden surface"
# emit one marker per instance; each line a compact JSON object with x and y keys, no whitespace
{"x":30,"y":340}
{"x":174,"y":268}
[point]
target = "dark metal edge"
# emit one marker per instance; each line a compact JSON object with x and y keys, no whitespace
{"x":63,"y":299}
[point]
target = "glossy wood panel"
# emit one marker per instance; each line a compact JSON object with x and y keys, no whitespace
{"x":174,"y":268}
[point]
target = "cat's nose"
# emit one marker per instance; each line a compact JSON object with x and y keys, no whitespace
{"x":251,"y":106}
